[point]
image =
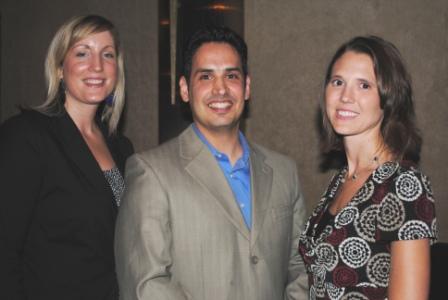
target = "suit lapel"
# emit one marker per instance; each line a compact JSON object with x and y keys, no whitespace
{"x":261,"y":184}
{"x":203,"y":167}
{"x":69,"y":140}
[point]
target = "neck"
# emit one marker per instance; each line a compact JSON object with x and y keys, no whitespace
{"x":225,"y":141}
{"x":83,"y":116}
{"x":364,"y":157}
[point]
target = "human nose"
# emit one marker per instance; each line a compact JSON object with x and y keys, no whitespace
{"x":96,"y":63}
{"x":347,"y":95}
{"x":219,"y":86}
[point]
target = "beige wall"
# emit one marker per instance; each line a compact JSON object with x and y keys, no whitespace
{"x":27,"y":28}
{"x":290,"y":44}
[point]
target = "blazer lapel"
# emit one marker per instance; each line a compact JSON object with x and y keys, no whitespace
{"x":201,"y":165}
{"x":261,"y":184}
{"x":71,"y":143}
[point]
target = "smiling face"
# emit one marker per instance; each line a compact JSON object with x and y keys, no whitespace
{"x":89,"y":69}
{"x":217,"y":88}
{"x":352,"y":101}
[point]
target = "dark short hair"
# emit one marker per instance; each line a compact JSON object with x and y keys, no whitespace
{"x":214,"y":35}
{"x":398,"y":128}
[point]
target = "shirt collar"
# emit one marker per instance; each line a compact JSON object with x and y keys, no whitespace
{"x":220,"y":155}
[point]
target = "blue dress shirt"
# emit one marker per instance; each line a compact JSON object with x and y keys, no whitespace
{"x":237,"y":176}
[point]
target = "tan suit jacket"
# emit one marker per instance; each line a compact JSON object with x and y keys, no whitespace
{"x":180,"y":233}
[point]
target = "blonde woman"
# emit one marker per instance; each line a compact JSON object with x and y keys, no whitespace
{"x":61,"y":172}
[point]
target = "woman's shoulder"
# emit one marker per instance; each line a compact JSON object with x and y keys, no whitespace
{"x":26,"y":122}
{"x":411,"y":178}
{"x":402,"y":176}
{"x":26,"y":131}
{"x":26,"y":119}
{"x":393,"y":169}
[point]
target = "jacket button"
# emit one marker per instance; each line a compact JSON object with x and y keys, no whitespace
{"x":254,"y":259}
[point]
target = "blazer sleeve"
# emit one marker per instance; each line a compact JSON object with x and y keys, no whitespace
{"x":143,"y":237}
{"x":297,"y":288}
{"x":20,"y":179}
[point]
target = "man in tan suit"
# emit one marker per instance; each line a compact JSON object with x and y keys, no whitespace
{"x":208,"y":216}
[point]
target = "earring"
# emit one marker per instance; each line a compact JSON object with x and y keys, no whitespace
{"x":109,"y":100}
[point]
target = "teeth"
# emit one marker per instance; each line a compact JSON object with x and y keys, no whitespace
{"x":345,"y":113}
{"x":94,"y":81}
{"x":219,"y":105}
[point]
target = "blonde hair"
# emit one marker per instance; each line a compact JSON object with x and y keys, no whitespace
{"x":68,"y":34}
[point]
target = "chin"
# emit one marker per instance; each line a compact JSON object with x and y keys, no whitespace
{"x":343,"y":131}
{"x":96,"y":100}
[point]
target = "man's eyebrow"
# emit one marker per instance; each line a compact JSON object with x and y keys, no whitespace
{"x":203,"y":70}
{"x":230,"y":69}
{"x":234,"y":69}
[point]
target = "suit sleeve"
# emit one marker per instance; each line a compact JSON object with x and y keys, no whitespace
{"x":143,"y":238}
{"x":20,"y":179}
{"x":297,"y":288}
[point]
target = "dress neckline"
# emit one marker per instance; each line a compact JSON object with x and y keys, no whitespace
{"x":385,"y":167}
{"x":378,"y":175}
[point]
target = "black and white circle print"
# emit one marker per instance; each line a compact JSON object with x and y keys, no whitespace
{"x":325,"y":233}
{"x":354,"y":252}
{"x":346,"y":216}
{"x":327,"y":256}
{"x":364,"y":193}
{"x":384,"y":171}
{"x":312,"y":293}
{"x":319,"y":280}
{"x":391,"y":213}
{"x":434,"y":228}
{"x":378,"y":269}
{"x":354,"y":296}
{"x":305,"y":240}
{"x":307,"y":227}
{"x":365,"y":226}
{"x":414,"y":230}
{"x":427,"y":184}
{"x":333,"y":190}
{"x":320,"y":205}
{"x":408,"y":187}
{"x":366,"y":284}
{"x":334,"y":292}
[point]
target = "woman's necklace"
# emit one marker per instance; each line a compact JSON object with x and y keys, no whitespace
{"x":356,"y":173}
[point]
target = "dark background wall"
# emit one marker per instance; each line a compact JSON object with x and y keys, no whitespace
{"x":290,"y":43}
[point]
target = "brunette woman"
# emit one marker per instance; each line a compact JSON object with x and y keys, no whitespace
{"x":369,"y":236}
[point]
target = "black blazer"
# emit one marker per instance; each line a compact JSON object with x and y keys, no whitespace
{"x":57,"y":211}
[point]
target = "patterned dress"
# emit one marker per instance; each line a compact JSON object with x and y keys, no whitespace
{"x":348,"y":255}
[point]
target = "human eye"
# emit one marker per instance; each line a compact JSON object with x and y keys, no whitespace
{"x":80,"y":53}
{"x":110,"y":55}
{"x":336,"y":82}
{"x":364,"y":85}
{"x":233,"y":76}
{"x":204,"y":76}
